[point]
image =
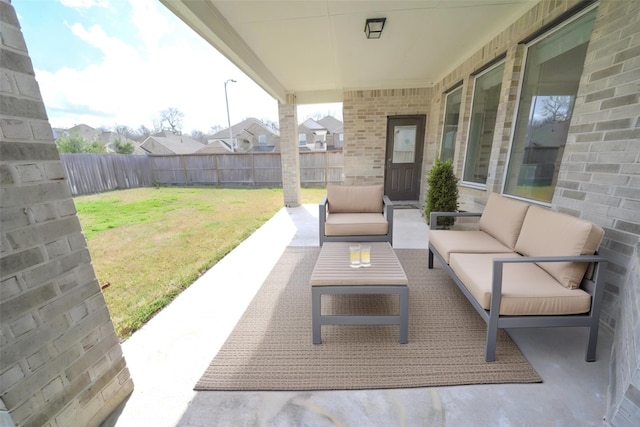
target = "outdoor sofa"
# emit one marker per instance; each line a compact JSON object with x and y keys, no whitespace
{"x":355,"y":213}
{"x":525,"y":266}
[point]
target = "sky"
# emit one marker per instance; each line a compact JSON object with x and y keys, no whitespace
{"x":121,"y":62}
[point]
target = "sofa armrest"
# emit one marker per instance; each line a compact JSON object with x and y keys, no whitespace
{"x":433,"y":216}
{"x":593,"y":285}
{"x":387,"y":211}
{"x":322,"y":217}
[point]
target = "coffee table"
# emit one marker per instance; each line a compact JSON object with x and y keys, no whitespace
{"x":333,"y":275}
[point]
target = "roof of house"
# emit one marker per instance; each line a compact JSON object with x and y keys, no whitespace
{"x":312,"y":125}
{"x":242,"y":126}
{"x":178,"y":144}
{"x":332,"y":124}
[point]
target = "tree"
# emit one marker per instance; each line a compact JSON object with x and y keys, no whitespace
{"x":199,"y":136}
{"x":142,"y":133}
{"x":124,"y":131}
{"x":173,"y":118}
{"x":556,"y":109}
{"x":442,"y":195}
{"x":76,"y":144}
{"x":123,"y":147}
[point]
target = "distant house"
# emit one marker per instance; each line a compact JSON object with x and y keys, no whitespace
{"x":168,"y":143}
{"x":106,"y":138}
{"x":336,"y":132}
{"x":250,"y":135}
{"x":320,"y":135}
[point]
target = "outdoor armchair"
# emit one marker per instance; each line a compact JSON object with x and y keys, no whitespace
{"x":356,"y":213}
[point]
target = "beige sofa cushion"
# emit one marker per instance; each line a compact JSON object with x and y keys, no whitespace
{"x":355,"y":198}
{"x":526,"y":288}
{"x":502,"y":218}
{"x":355,"y":224}
{"x":549,"y":233}
{"x":447,"y":242}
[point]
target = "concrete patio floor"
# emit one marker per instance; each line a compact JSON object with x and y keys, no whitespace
{"x":170,"y":353}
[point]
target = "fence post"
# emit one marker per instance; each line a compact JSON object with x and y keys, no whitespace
{"x":326,"y":168}
{"x":217,"y":170}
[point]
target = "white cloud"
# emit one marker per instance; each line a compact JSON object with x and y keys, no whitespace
{"x":174,"y":68}
{"x":85,"y":4}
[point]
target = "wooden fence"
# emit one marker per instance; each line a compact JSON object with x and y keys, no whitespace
{"x":96,"y":173}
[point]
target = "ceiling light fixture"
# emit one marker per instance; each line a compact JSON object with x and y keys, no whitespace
{"x":373,"y":27}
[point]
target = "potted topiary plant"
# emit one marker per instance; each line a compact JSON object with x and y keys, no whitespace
{"x":442,"y":194}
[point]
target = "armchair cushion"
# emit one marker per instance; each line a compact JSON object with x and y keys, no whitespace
{"x":356,"y":224}
{"x":355,"y":198}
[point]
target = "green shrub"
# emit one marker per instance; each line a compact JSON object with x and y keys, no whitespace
{"x":442,"y":192}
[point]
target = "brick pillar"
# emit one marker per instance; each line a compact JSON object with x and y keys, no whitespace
{"x":62,"y":364}
{"x":290,"y":155}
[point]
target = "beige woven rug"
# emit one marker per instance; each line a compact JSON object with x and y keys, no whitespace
{"x":271,"y":348}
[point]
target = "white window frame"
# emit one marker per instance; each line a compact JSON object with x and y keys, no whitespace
{"x":473,"y":95}
{"x":519,"y":96}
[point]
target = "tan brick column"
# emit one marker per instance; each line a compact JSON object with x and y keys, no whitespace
{"x":290,"y":156}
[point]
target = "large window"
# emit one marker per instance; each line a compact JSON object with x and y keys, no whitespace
{"x":486,"y":98}
{"x":451,"y":117}
{"x":551,"y":78}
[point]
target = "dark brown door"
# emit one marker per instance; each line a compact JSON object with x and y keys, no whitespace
{"x":405,"y":141}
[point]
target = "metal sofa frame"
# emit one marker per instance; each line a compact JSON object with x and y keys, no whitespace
{"x":593,"y":284}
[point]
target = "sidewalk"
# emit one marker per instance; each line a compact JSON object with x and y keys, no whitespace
{"x":170,"y":353}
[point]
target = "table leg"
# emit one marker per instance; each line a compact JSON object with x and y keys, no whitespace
{"x":316,"y":298}
{"x":403,"y":294}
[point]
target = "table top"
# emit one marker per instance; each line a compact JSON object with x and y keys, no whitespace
{"x":332,"y":267}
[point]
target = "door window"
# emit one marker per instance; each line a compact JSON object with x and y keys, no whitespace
{"x":404,"y":144}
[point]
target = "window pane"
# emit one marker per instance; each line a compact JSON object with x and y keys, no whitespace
{"x":451,"y":116}
{"x":404,"y":144}
{"x":552,"y":75}
{"x":486,"y":97}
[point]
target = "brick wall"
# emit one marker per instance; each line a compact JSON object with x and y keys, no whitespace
{"x":61,"y":360}
{"x":289,"y":158}
{"x":365,"y":128}
{"x":600,"y":181}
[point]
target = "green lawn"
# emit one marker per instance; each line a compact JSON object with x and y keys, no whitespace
{"x":149,"y":244}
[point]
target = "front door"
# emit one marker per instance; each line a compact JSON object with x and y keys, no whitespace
{"x":405,"y":141}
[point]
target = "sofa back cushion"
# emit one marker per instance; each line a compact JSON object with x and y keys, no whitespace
{"x":502,"y":218}
{"x":355,"y":198}
{"x":548,"y":233}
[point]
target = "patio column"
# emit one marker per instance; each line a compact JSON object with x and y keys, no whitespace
{"x":290,"y":156}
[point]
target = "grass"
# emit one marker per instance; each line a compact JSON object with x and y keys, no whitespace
{"x":149,"y":244}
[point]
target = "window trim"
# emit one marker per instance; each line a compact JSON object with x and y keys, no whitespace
{"x":446,"y":94}
{"x":484,"y":70}
{"x":527,"y":44}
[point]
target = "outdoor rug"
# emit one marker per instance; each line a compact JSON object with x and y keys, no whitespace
{"x":271,"y":346}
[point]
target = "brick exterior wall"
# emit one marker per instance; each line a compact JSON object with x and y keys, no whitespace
{"x":599,"y":178}
{"x":290,"y":157}
{"x":61,"y":361}
{"x":600,"y":181}
{"x":365,"y":129}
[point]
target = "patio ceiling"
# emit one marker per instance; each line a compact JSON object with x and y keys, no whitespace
{"x":317,"y":49}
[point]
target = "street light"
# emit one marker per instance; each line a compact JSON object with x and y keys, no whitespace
{"x":226,"y":98}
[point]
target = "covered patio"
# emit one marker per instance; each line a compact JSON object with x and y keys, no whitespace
{"x":62,"y":361}
{"x":168,"y":356}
